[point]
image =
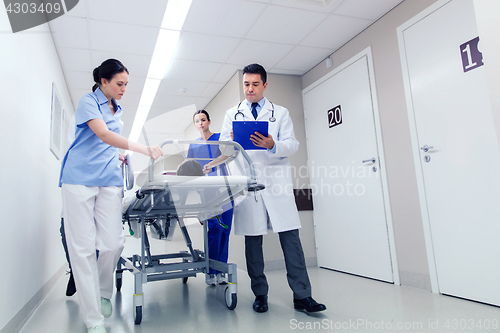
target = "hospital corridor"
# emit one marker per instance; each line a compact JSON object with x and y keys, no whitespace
{"x":354,"y":304}
{"x":250,"y":166}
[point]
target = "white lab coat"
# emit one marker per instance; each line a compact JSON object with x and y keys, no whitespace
{"x":272,"y":170}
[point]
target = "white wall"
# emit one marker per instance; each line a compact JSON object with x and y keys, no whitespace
{"x":403,"y":193}
{"x":30,"y":197}
{"x":229,"y":96}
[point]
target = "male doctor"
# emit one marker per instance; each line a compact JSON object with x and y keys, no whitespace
{"x":275,"y":205}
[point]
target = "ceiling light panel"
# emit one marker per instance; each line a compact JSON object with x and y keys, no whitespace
{"x":79,"y":80}
{"x":135,"y":83}
{"x":75,"y":59}
{"x":212,"y":89}
{"x":335,"y":31}
{"x":225,"y":73}
{"x":149,"y":92}
{"x":303,"y":58}
{"x":171,"y":87}
{"x":313,"y":3}
{"x":78,"y":11}
{"x":245,"y":53}
{"x":326,"y":6}
{"x":131,"y":99}
{"x":76,"y":37}
{"x":163,"y":53}
{"x":289,"y":25}
{"x":137,"y":64}
{"x":129,"y":12}
{"x":223,"y":17}
{"x":147,"y":98}
{"x":173,"y":101}
{"x":175,"y":14}
{"x":111,"y":37}
{"x":195,"y":46}
{"x":189,"y":70}
{"x":369,"y":9}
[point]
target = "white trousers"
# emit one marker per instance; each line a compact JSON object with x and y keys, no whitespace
{"x":92,"y":221}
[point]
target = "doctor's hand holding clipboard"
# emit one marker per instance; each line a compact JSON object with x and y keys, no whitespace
{"x":252,"y":135}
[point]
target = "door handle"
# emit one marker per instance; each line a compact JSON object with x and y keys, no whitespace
{"x":426,"y":148}
{"x":371,"y":160}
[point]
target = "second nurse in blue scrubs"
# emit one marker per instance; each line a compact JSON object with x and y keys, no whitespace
{"x":218,"y":235}
{"x":92,"y":190}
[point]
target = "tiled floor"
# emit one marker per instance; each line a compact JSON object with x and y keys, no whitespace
{"x":354,"y":304}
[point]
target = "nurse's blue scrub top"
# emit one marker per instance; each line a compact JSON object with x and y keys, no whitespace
{"x":207,"y":151}
{"x":89,"y":161}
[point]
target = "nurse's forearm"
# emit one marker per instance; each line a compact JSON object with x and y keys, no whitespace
{"x":100,"y":129}
{"x":208,"y":167}
{"x":118,"y":141}
{"x":218,"y":159}
{"x":98,"y":126}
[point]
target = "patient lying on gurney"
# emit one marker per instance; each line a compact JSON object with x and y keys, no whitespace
{"x":186,"y":168}
{"x":193,"y":168}
{"x":162,"y":229}
{"x":190,"y":168}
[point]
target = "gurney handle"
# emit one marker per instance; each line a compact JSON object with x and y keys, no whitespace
{"x":128,"y":173}
{"x":230,"y":143}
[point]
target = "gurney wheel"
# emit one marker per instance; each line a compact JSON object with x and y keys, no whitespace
{"x":138,"y":315}
{"x":230,"y":298}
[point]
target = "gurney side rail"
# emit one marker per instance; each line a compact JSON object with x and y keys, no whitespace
{"x":230,"y":143}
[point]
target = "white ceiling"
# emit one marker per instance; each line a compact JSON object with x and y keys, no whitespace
{"x":218,"y":38}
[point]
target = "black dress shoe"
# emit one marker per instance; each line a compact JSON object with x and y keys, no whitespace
{"x":71,"y":288}
{"x":260,"y":304}
{"x":308,"y":304}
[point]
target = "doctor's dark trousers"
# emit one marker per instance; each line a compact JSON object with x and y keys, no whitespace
{"x":296,"y":271}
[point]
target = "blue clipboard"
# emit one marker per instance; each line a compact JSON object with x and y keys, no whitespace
{"x":243,"y":129}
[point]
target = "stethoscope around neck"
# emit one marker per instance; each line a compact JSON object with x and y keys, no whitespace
{"x":271,"y":119}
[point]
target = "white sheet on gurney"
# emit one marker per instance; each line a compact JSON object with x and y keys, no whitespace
{"x":197,"y":181}
{"x":191,"y":185}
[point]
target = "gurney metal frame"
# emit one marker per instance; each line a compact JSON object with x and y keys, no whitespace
{"x":146,"y":267}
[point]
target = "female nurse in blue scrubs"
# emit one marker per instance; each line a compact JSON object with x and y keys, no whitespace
{"x":218,"y":235}
{"x":92,"y":189}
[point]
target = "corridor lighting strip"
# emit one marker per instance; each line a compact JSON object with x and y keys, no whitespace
{"x":172,"y":23}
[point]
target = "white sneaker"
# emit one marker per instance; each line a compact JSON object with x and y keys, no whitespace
{"x":210,"y":279}
{"x":97,"y":329}
{"x":106,"y":308}
{"x":221,"y":278}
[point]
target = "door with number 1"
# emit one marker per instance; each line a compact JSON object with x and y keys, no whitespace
{"x":455,"y":148}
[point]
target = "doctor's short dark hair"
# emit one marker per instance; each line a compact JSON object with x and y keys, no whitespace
{"x":256,"y":69}
{"x":107,"y":70}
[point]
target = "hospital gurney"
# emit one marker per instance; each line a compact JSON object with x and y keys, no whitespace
{"x":166,"y":198}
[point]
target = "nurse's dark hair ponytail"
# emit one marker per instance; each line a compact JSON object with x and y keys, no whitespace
{"x":107,"y":71}
{"x":201,"y":111}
